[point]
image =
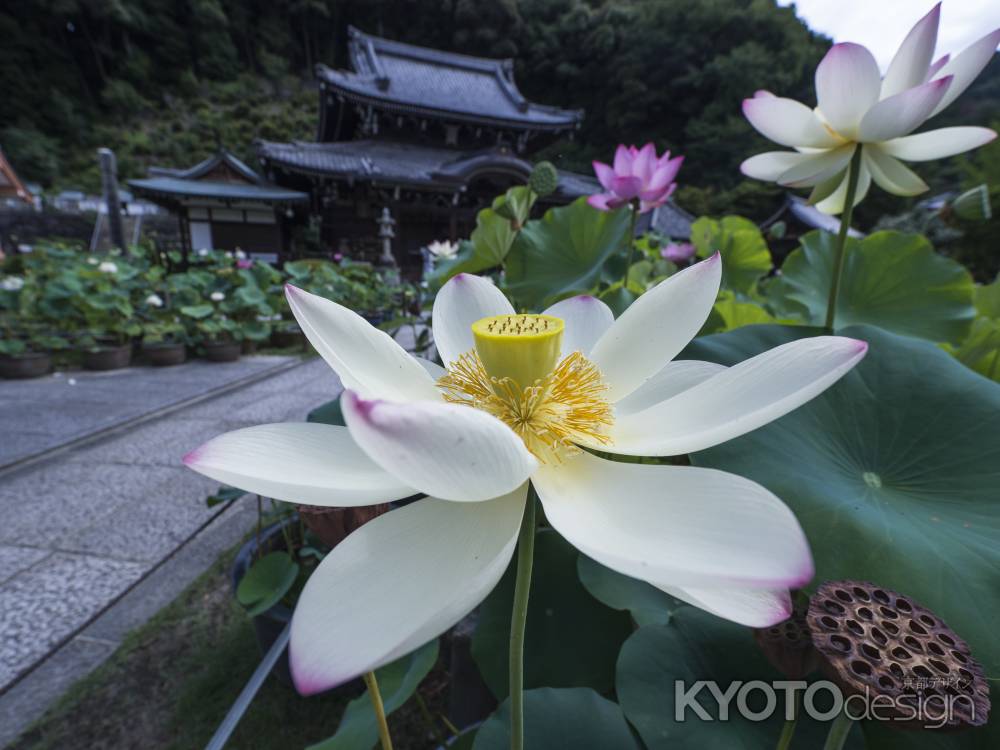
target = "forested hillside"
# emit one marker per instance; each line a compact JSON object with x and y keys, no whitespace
{"x":165,"y":81}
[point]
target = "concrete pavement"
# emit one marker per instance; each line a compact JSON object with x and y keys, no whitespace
{"x":96,"y":536}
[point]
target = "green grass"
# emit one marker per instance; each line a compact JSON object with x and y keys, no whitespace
{"x":172,"y":681}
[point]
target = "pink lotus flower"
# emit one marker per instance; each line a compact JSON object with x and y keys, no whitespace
{"x":637,"y":175}
{"x":678,"y":252}
{"x":244,"y":264}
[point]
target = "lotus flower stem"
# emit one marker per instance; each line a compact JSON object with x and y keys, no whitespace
{"x":788,"y":730}
{"x":383,"y":728}
{"x":839,"y":729}
{"x":518,"y":617}
{"x":854,"y":171}
{"x":634,"y":208}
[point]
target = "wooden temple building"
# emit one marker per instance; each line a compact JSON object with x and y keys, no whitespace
{"x":223,"y":204}
{"x":431,"y":136}
{"x":413,"y":138}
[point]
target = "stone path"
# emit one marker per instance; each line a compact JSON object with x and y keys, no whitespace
{"x":39,"y":415}
{"x":117,"y":518}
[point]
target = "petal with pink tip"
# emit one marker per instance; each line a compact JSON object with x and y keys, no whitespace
{"x":623,"y":160}
{"x":754,"y":608}
{"x":966,"y":66}
{"x":605,"y":174}
{"x":937,"y":144}
{"x":902,"y":113}
{"x":816,"y":168}
{"x":626,"y":187}
{"x":936,"y":66}
{"x":314,"y":464}
{"x":450,"y":451}
{"x":912,"y":61}
{"x":396,"y":583}
{"x":890,"y":174}
{"x":656,"y":327}
{"x":737,"y":400}
{"x":677,"y":376}
{"x":663,"y":175}
{"x":787,"y":122}
{"x":847,"y":85}
{"x":366,"y":359}
{"x":586,"y":319}
{"x":675,"y":525}
{"x":771,"y":164}
{"x":645,"y":163}
{"x":601,"y":201}
{"x":460,"y":303}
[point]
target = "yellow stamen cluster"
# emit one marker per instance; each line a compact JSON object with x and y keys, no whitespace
{"x":550,"y":416}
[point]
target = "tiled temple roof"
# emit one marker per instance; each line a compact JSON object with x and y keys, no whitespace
{"x":404,"y":77}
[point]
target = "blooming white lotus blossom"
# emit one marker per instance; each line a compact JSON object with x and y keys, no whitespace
{"x":108,"y":267}
{"x":154,"y":300}
{"x":858,"y":108}
{"x":217,"y":296}
{"x":471,"y":437}
{"x":11,"y":283}
{"x":443,"y":249}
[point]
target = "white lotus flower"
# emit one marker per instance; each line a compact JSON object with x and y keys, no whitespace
{"x":107,"y":267}
{"x":716,"y":540}
{"x":11,"y":283}
{"x":858,"y":108}
{"x":154,"y":300}
{"x":443,"y":249}
{"x":217,"y":296}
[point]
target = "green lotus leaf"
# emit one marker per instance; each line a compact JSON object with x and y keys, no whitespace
{"x":745,"y":255}
{"x":698,"y":646}
{"x":576,"y":718}
{"x":396,"y":683}
{"x":892,"y":280}
{"x":563,"y":252}
{"x":894,"y":475}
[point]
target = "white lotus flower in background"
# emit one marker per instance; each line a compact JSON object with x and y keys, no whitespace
{"x":107,"y":267}
{"x":217,"y":296}
{"x":154,"y":300}
{"x":12,"y":283}
{"x":470,"y":437}
{"x":858,"y":108}
{"x":443,"y":249}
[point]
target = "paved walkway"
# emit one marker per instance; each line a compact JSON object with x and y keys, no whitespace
{"x":39,"y":415}
{"x":94,"y":522}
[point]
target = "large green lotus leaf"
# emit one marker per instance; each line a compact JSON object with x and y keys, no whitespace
{"x":646,"y":603}
{"x":572,"y":640}
{"x":894,"y":473}
{"x":397,"y":681}
{"x":981,"y":348}
{"x":745,"y":256}
{"x":698,"y":646}
{"x":988,"y":299}
{"x":560,"y":719}
{"x":563,"y":252}
{"x":892,"y":280}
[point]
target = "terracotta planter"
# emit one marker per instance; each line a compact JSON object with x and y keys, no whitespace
{"x":331,"y":525}
{"x":222,"y":351}
{"x":108,"y":357}
{"x":249,"y":347}
{"x":165,"y":355}
{"x":288,"y":338}
{"x":27,"y":365}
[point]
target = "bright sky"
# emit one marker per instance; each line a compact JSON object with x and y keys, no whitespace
{"x":880,"y":25}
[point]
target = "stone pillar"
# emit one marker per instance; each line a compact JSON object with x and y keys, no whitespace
{"x":109,"y":184}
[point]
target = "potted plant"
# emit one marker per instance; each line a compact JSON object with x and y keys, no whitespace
{"x":105,"y":313}
{"x":250,"y":304}
{"x":218,"y":334}
{"x":28,"y":353}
